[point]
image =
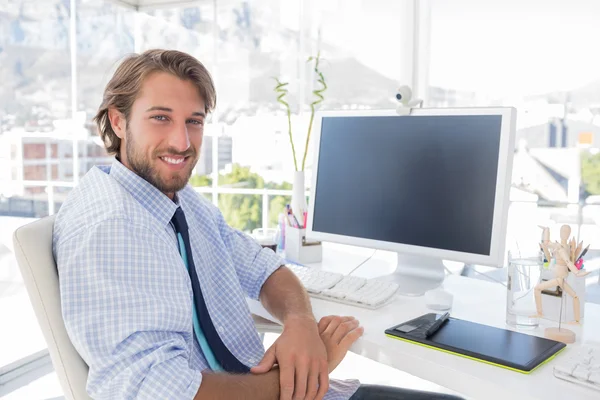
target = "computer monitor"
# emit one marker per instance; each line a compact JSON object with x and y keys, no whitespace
{"x":431,"y":186}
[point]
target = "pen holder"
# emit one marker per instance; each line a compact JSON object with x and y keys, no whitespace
{"x":300,"y":250}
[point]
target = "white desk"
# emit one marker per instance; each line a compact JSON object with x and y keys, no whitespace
{"x":474,"y":300}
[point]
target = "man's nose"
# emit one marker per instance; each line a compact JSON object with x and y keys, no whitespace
{"x":179,"y":138}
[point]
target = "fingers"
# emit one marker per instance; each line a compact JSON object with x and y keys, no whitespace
{"x":286,"y":381}
{"x":313,"y":380}
{"x":301,"y":371}
{"x":351,"y":337}
{"x":323,"y":380}
{"x":334,"y":323}
{"x":324,"y":323}
{"x":343,"y":329}
{"x":266,"y":363}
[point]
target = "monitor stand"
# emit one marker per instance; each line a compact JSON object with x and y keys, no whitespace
{"x":417,"y":274}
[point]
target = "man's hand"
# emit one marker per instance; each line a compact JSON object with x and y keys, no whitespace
{"x":338,"y":334}
{"x":302,"y":359}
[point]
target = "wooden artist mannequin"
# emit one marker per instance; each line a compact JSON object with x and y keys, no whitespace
{"x":564,"y":254}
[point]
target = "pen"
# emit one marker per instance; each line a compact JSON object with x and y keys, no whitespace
{"x":584,"y":252}
{"x":437,"y":325}
{"x":297,"y":224}
{"x":290,"y":220}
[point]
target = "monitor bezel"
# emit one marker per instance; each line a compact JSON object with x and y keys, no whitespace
{"x":503,"y":181}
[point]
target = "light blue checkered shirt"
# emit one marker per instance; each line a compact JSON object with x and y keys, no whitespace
{"x":126,"y":295}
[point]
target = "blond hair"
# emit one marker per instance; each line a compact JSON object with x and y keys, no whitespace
{"x":123,"y":88}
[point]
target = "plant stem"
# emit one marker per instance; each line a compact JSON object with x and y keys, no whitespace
{"x":282,"y":91}
{"x":289,"y":116}
{"x":320,"y":98}
{"x":312,"y":117}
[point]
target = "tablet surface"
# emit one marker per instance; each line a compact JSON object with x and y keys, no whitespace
{"x":501,"y":347}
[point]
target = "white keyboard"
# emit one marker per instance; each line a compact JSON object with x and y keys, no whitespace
{"x":582,"y":368}
{"x":361,"y":292}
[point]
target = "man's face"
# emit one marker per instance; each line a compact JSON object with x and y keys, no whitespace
{"x":162,"y":137}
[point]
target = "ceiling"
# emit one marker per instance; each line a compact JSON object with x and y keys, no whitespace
{"x":142,"y":5}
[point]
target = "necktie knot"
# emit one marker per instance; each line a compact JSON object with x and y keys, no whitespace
{"x":179,"y":221}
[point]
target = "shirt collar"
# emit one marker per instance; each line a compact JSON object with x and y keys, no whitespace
{"x":152,"y":199}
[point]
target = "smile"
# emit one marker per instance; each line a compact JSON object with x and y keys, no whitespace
{"x":173,"y":161}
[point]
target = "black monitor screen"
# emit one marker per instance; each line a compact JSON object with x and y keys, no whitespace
{"x":419,"y":180}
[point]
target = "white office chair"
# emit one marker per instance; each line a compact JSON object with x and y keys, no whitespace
{"x":33,"y":250}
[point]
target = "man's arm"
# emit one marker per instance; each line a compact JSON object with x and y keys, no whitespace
{"x":284,"y":296}
{"x":338,"y":334}
{"x":124,"y":319}
{"x":227,"y":386}
{"x":299,"y":351}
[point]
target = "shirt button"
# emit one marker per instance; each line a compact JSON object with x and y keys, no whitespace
{"x":251,"y":361}
{"x":221,"y":329}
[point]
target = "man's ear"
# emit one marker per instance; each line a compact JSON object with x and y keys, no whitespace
{"x":118,"y":122}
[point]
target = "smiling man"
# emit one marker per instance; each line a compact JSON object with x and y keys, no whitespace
{"x":154,"y":282}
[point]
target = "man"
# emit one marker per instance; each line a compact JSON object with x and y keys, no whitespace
{"x":153,"y":281}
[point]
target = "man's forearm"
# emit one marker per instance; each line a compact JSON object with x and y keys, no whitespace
{"x":284,"y":296}
{"x":229,"y":386}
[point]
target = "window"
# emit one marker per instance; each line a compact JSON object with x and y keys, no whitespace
{"x":34,"y":172}
{"x":32,"y":151}
{"x":257,"y":43}
{"x":244,"y":149}
{"x":54,"y":176}
{"x":537,"y":57}
{"x":54,"y":150}
{"x":361,"y":44}
{"x":35,"y":99}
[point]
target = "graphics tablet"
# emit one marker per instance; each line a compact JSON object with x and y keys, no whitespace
{"x":501,"y":347}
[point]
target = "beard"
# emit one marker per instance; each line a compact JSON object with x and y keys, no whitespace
{"x":142,"y":166}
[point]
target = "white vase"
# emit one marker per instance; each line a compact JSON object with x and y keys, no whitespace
{"x":299,"y":196}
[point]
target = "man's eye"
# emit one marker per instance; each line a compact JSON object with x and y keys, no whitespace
{"x":160,"y":117}
{"x":195,"y":121}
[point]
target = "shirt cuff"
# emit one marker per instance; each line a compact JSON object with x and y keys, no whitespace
{"x":271,"y":262}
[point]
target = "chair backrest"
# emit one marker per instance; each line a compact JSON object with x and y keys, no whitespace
{"x":33,"y":250}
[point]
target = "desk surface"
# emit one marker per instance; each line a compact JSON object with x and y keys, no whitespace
{"x":474,"y":300}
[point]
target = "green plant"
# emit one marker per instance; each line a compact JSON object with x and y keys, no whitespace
{"x":281,"y":91}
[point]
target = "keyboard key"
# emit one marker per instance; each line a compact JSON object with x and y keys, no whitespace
{"x":336,"y":294}
{"x":314,"y":280}
{"x":374,"y":292}
{"x":581,"y":372}
{"x":581,"y":368}
{"x":361,"y":292}
{"x":343,"y":288}
{"x":566,"y":367}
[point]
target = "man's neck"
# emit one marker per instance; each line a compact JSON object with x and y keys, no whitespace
{"x":171,"y":196}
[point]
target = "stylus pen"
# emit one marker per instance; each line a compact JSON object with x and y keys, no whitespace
{"x":437,"y":325}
